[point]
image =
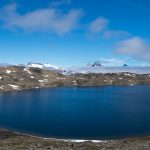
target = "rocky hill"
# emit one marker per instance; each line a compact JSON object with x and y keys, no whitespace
{"x":14,"y":78}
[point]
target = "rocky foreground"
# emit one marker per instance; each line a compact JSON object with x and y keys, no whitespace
{"x":16,"y":141}
{"x":16,"y":78}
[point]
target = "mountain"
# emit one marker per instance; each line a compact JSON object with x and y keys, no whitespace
{"x":35,"y":65}
{"x":43,"y":66}
{"x":98,"y":68}
{"x":95,"y":64}
{"x":125,"y":65}
{"x":52,"y":66}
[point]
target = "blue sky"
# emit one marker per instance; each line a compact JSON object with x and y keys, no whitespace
{"x":75,"y":32}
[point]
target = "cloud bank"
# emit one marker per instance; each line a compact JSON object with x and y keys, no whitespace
{"x":136,"y":47}
{"x":100,"y":26}
{"x":47,"y":20}
{"x":112,"y":61}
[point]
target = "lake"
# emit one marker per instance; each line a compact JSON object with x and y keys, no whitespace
{"x":109,"y":112}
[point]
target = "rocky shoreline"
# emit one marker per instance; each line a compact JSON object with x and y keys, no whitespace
{"x":17,"y":141}
{"x":16,"y":78}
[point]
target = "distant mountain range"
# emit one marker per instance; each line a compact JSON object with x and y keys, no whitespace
{"x":95,"y":64}
{"x":95,"y":67}
{"x":5,"y":64}
{"x":34,"y":65}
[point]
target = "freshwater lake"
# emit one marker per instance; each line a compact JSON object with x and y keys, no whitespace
{"x":109,"y":112}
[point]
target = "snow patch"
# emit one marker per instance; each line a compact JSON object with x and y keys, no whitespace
{"x":127,"y":74}
{"x":35,"y":65}
{"x":51,"y":66}
{"x":44,"y":66}
{"x":1,"y":87}
{"x":58,"y":78}
{"x":8,"y":71}
{"x":13,"y":86}
{"x":25,"y":69}
{"x":42,"y":81}
{"x":45,"y":76}
{"x":81,"y":141}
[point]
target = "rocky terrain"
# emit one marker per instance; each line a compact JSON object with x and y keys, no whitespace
{"x":16,"y":141}
{"x":16,"y":78}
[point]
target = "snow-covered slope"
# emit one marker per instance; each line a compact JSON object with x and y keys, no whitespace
{"x":51,"y":66}
{"x":43,"y":66}
{"x":35,"y":65}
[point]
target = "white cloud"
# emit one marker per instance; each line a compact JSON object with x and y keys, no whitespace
{"x":98,"y":25}
{"x":47,"y":20}
{"x":136,"y":47}
{"x":116,"y":34}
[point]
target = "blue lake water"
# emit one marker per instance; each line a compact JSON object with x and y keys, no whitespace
{"x":78,"y":113}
